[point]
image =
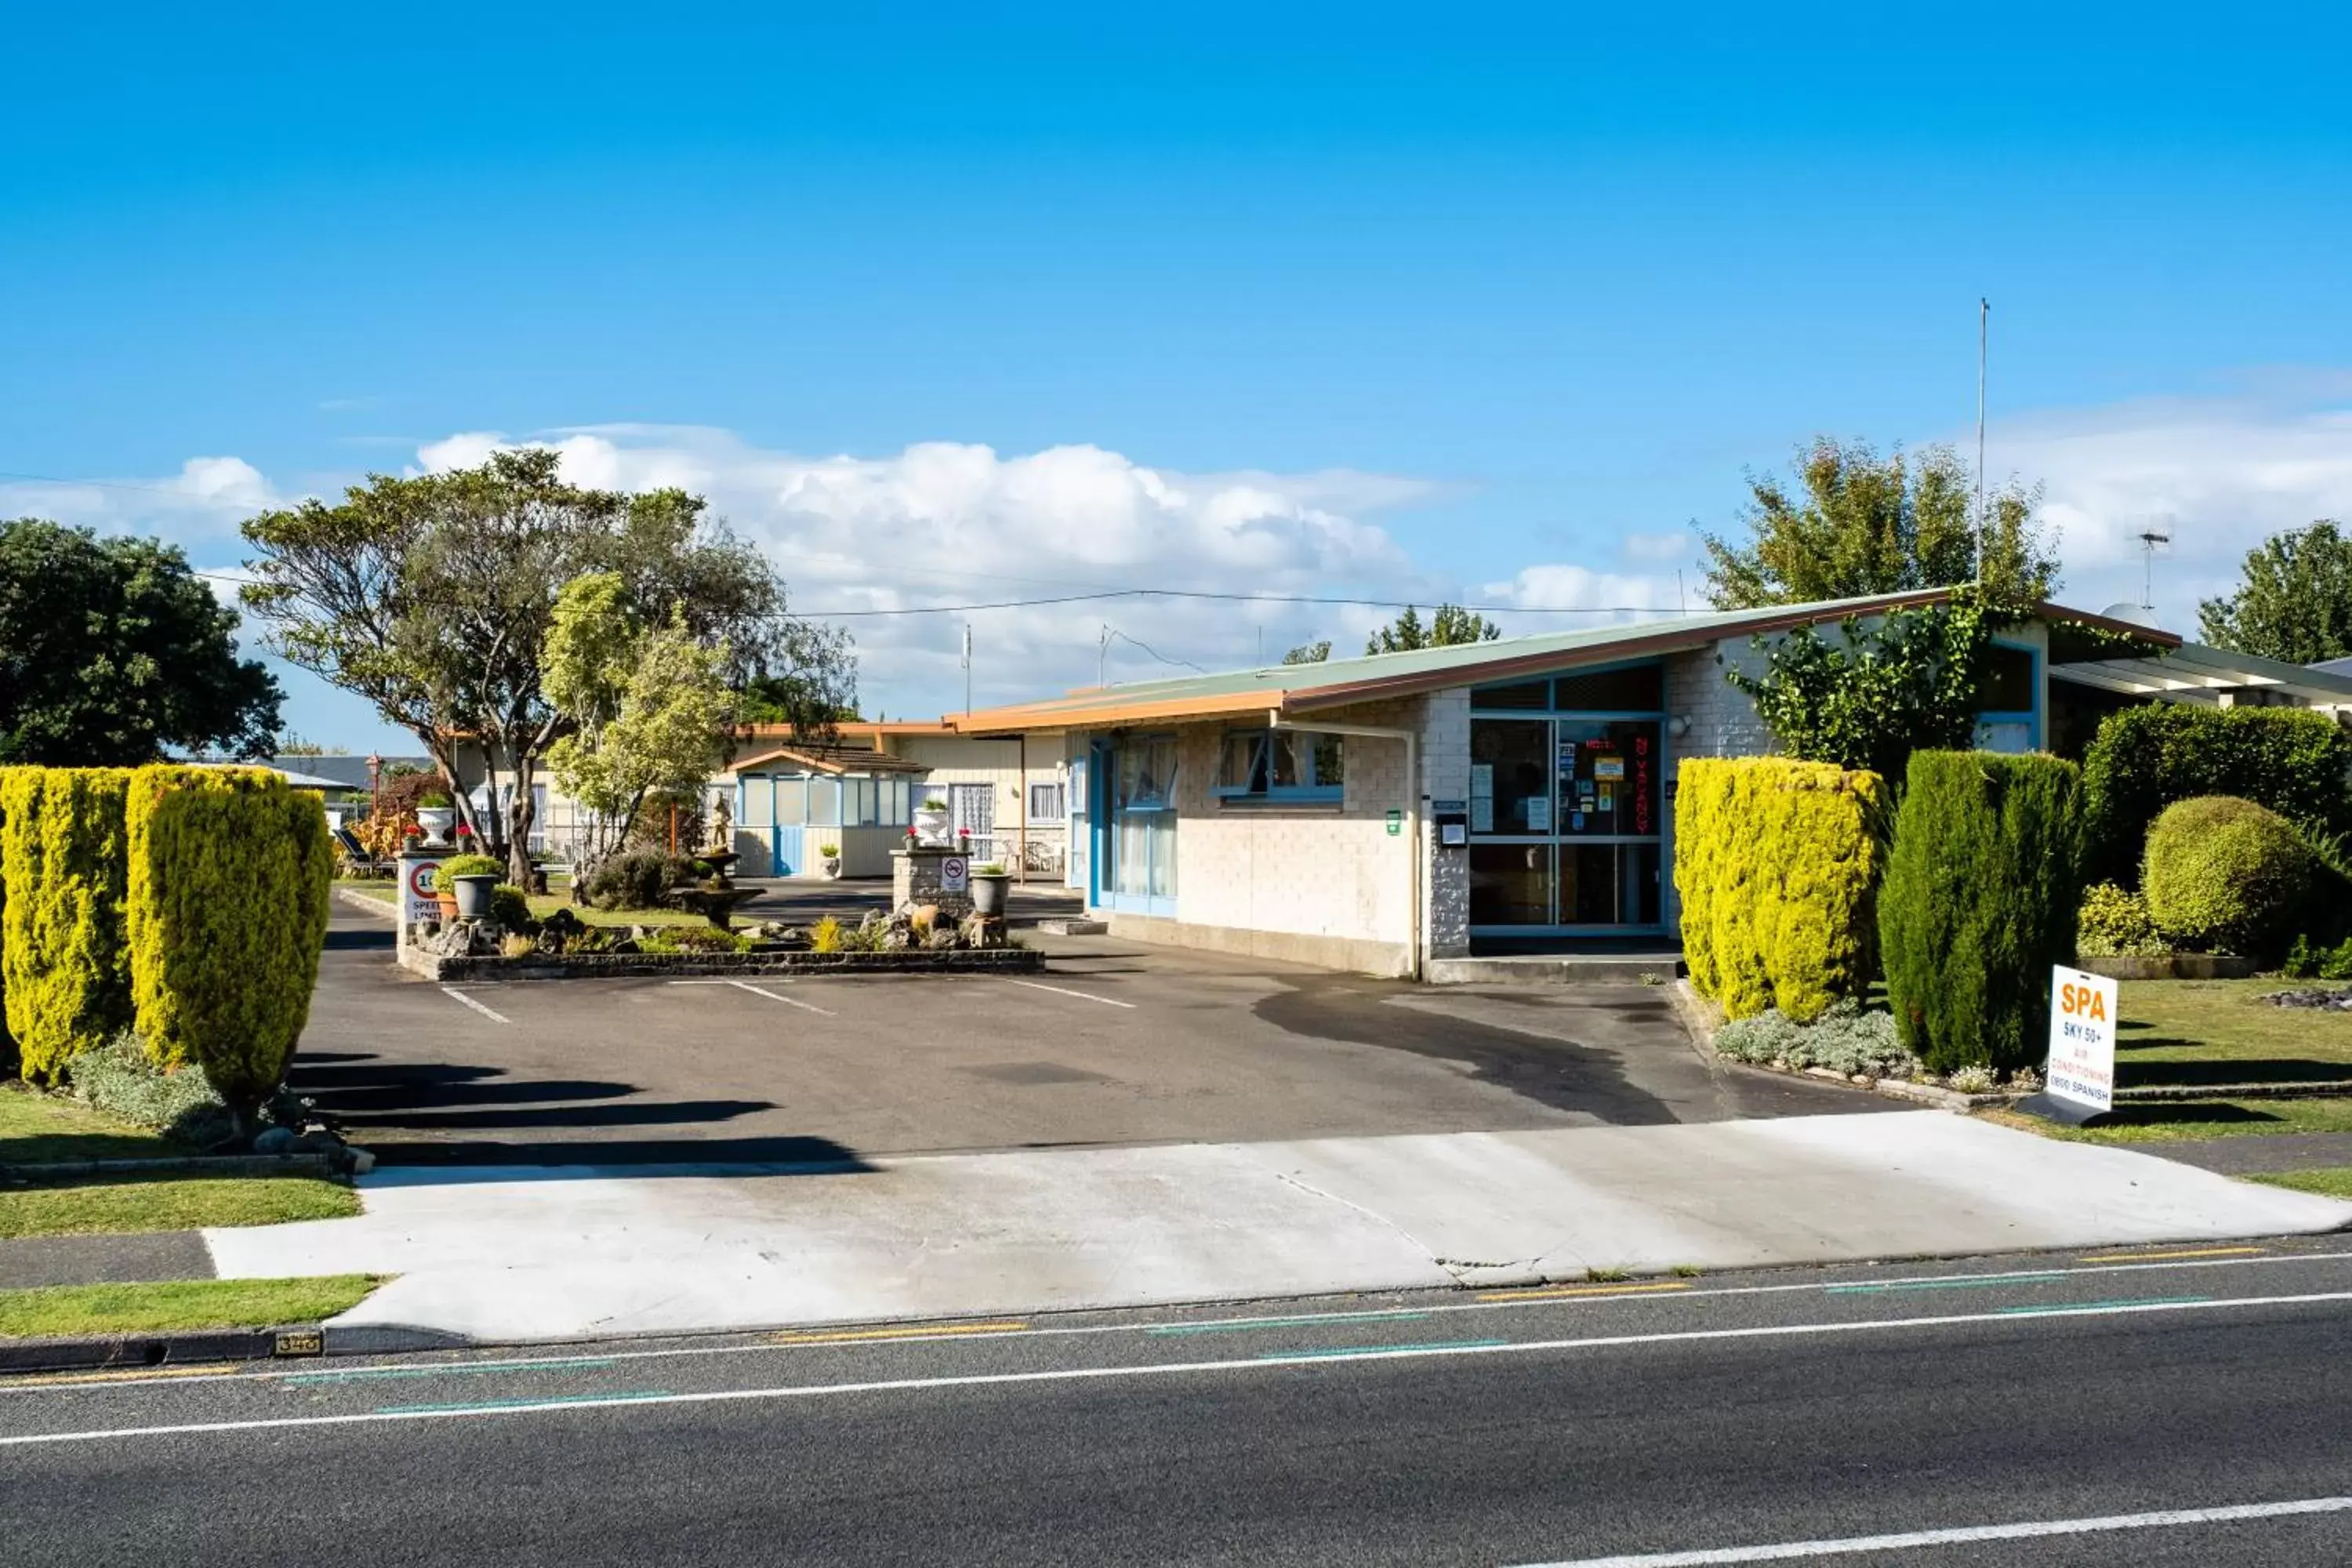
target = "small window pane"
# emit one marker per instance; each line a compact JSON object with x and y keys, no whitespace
{"x":1637,"y":690}
{"x":824,"y":803}
{"x":791,"y":802}
{"x":1241,"y":763}
{"x":2008,"y":686}
{"x":1288,"y":747}
{"x":1535,"y":694}
{"x":1330,"y":763}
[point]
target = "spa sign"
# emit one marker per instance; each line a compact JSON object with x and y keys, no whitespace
{"x":2081,"y":1038}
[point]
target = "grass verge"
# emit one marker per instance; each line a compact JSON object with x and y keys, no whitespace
{"x":65,"y":1310}
{"x":2329,"y":1181}
{"x":2171,"y":1120}
{"x":186,"y":1203}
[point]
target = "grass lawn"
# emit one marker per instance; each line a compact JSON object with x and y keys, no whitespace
{"x":186,"y":1203}
{"x":2329,"y":1182}
{"x":38,"y":1127}
{"x":67,"y":1309}
{"x":545,"y":904}
{"x":2220,"y":1032}
{"x":2165,"y":1121}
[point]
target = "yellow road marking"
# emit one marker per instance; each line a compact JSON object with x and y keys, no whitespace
{"x":933,"y":1331}
{"x":2158,"y":1257}
{"x":1561,"y":1292}
{"x":122,"y":1375}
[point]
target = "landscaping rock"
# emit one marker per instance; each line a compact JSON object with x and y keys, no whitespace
{"x":276,"y":1140}
{"x":2328,"y":1001}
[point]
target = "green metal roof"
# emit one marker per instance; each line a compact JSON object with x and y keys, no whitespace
{"x":1376,"y":676}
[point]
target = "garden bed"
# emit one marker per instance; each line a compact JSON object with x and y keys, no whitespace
{"x":734,"y":966}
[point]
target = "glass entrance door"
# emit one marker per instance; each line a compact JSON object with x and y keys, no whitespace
{"x":1565,"y":830}
{"x":1135,"y":828}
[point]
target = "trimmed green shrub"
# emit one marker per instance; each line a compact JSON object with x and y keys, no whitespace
{"x":445,"y":875}
{"x":120,"y":1079}
{"x":1980,"y":898}
{"x":2297,"y":762}
{"x":8,"y":1062}
{"x":638,"y":880}
{"x":1844,"y":1038}
{"x":230,"y":872}
{"x":694,"y":939}
{"x":61,"y":936}
{"x":2309,"y":961}
{"x":510,"y":907}
{"x":2114,"y":920}
{"x":1776,"y":863}
{"x":2225,"y":873}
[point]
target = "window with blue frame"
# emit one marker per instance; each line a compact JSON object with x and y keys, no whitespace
{"x":1281,"y":765}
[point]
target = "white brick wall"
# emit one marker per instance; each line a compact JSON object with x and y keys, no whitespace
{"x":1446,"y":775}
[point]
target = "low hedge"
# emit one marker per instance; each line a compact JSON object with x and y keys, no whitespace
{"x":62,"y":945}
{"x":1775,"y":864}
{"x":2297,"y":762}
{"x":2225,"y":873}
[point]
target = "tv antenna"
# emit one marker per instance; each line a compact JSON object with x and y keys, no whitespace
{"x":2155,"y":540}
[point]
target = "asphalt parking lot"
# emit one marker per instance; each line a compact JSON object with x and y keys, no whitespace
{"x":1115,"y":1043}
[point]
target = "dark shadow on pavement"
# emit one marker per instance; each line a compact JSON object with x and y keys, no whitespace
{"x":771,"y":1156}
{"x":377,"y":939}
{"x":626,"y":1113}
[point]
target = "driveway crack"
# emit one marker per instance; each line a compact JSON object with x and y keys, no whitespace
{"x":1452,"y":1267}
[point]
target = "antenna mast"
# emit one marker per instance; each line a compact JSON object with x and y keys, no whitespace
{"x":1984,"y":315}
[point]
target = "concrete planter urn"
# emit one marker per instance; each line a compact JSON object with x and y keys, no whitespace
{"x":473,"y":895}
{"x":829,"y":856}
{"x":934,"y":824}
{"x":988,"y":891}
{"x":437,"y":821}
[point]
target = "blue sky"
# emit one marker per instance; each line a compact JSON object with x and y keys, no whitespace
{"x":967,"y":304}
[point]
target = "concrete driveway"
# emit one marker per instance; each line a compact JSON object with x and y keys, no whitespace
{"x":1115,"y":1044}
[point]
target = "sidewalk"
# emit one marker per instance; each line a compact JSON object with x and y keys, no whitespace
{"x":507,"y":1254}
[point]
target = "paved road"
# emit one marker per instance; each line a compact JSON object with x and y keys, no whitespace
{"x":2038,"y":1398}
{"x":1115,"y":1044}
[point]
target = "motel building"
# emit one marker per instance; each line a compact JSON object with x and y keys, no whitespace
{"x":1400,"y":814}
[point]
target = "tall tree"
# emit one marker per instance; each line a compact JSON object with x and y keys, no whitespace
{"x":433,"y":595}
{"x":113,"y":652}
{"x":650,"y":707}
{"x":1852,"y":523}
{"x":2293,"y":600}
{"x":1314,"y":652}
{"x":1451,"y":625}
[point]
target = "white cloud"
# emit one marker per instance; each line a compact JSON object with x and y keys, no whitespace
{"x":1677,"y":545}
{"x":1556,"y":585}
{"x":2221,"y":474}
{"x":947,"y":523}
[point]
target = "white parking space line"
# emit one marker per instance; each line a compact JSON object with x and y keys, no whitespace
{"x":456,"y":995}
{"x":1085,"y":995}
{"x":787,"y":1000}
{"x":1784,"y":1552}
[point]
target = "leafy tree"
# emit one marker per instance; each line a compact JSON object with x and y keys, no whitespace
{"x":2294,"y":602}
{"x":650,"y":703}
{"x":1854,"y":524}
{"x":1451,"y":625}
{"x":433,"y":596}
{"x":1906,"y":683}
{"x":811,"y":700}
{"x":1315,"y":652}
{"x":112,"y":651}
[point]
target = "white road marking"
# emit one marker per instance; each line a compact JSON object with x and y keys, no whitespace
{"x":1310,"y":1359}
{"x":1086,"y":996}
{"x":2171,"y":1518}
{"x":458,"y":996}
{"x":34,"y":1384}
{"x":787,"y":1000}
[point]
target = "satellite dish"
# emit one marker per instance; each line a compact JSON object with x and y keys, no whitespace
{"x":2137,"y":615}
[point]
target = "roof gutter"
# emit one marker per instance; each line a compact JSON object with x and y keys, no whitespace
{"x":1412,"y":739}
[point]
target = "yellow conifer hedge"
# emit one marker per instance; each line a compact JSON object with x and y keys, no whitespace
{"x":230,"y":875}
{"x":1776,"y":863}
{"x":61,"y":930}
